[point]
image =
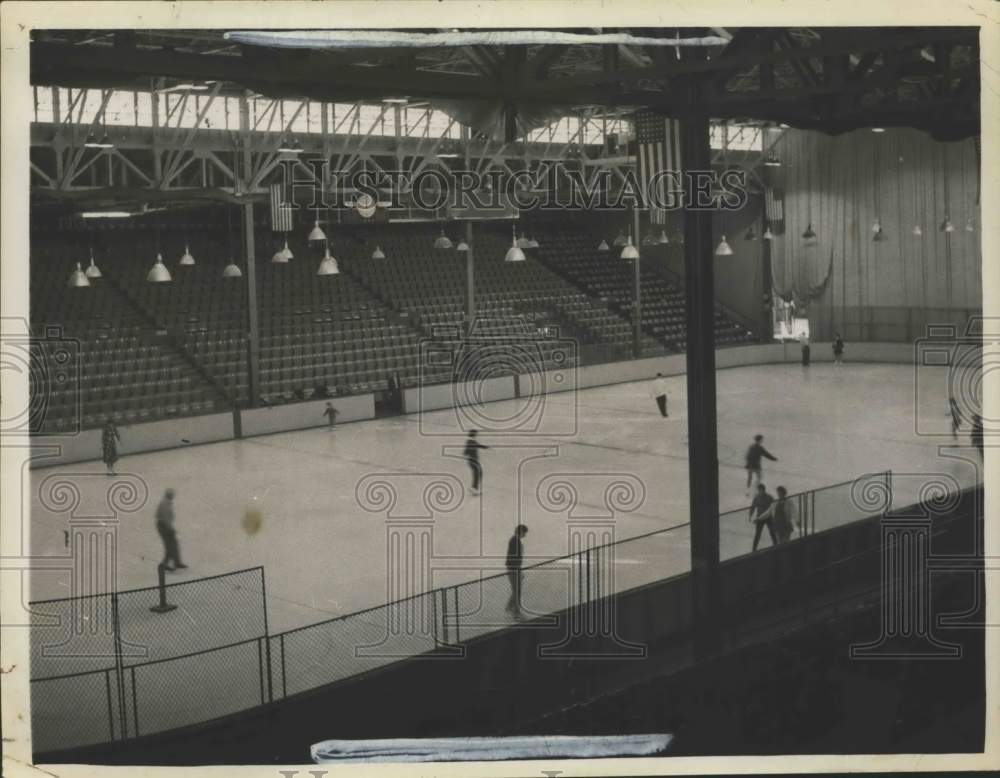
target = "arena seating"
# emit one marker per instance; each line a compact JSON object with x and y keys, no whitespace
{"x":575,"y":256}
{"x":119,"y":366}
{"x":153,"y":351}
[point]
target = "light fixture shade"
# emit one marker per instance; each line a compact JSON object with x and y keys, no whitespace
{"x":603,"y":246}
{"x":772,"y":160}
{"x":917,"y":230}
{"x":280,"y":257}
{"x":328,"y":266}
{"x":78,"y":278}
{"x":750,"y":234}
{"x":317,"y":235}
{"x":768,"y":235}
{"x":522,"y":242}
{"x":629,"y":251}
{"x":378,"y":253}
{"x":663,"y":237}
{"x":186,"y":259}
{"x":514,"y":254}
{"x":365,"y":205}
{"x":287,"y":251}
{"x":232,"y":270}
{"x":621,"y":240}
{"x":93,"y":271}
{"x":532,"y":243}
{"x":970,"y":225}
{"x":91,"y":141}
{"x":158,"y":273}
{"x":442,"y":241}
{"x":649,"y":239}
{"x":723,"y":249}
{"x":809,"y":235}
{"x":463,"y":247}
{"x":947,"y":226}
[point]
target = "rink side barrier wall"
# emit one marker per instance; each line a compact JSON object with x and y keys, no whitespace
{"x":49,"y":450}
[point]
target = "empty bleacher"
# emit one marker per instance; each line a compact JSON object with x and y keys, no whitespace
{"x":151,"y":351}
{"x":574,"y":255}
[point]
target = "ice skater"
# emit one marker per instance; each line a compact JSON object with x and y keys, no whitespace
{"x":471,"y":454}
{"x":109,"y":445}
{"x":760,"y":515}
{"x":515,"y":561}
{"x":753,"y":463}
{"x":168,"y":534}
{"x":838,"y":349}
{"x":658,"y":391}
{"x":976,"y":434}
{"x":956,"y":417}
{"x":783,"y":515}
{"x":331,"y":414}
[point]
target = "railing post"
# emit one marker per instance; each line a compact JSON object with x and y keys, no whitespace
{"x":267,"y":634}
{"x":135,"y":702}
{"x":458,"y":636}
{"x":161,"y":585}
{"x":111,"y":715}
{"x":284,"y":679}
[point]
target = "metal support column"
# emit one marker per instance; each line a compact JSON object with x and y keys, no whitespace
{"x":470,"y":280}
{"x":636,"y":289}
{"x":766,"y":320}
{"x":243,"y":177}
{"x":703,"y":464}
{"x":253,"y":339}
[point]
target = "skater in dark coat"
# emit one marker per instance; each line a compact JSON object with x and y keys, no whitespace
{"x":109,"y":445}
{"x":471,"y":454}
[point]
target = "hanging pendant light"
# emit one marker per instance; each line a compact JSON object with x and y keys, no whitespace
{"x":232,"y":270}
{"x":463,"y":247}
{"x":78,"y":278}
{"x":878,"y":236}
{"x":970,"y":225}
{"x":621,"y":240}
{"x":809,"y":236}
{"x":532,"y":243}
{"x":514,"y":253}
{"x":158,"y":273}
{"x":917,"y":231}
{"x":603,"y":246}
{"x":663,"y":239}
{"x":523,"y":242}
{"x":947,"y":226}
{"x":649,"y":239}
{"x":378,"y":253}
{"x":442,"y":241}
{"x":186,"y":259}
{"x":750,"y":234}
{"x":768,"y":235}
{"x":723,"y":249}
{"x":328,"y":265}
{"x":629,"y":251}
{"x":282,"y":255}
{"x":317,"y":235}
{"x":93,"y":271}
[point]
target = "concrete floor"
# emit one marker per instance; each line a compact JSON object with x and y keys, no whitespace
{"x":323,"y":542}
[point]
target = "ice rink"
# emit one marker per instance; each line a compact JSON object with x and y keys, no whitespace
{"x":328,"y":500}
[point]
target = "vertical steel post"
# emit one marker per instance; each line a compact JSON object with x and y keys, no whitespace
{"x":703,"y":465}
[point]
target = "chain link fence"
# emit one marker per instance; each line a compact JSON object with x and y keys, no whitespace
{"x":108,"y":668}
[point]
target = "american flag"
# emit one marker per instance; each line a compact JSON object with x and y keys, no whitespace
{"x":774,"y":208}
{"x":281,"y":213}
{"x":658,"y":147}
